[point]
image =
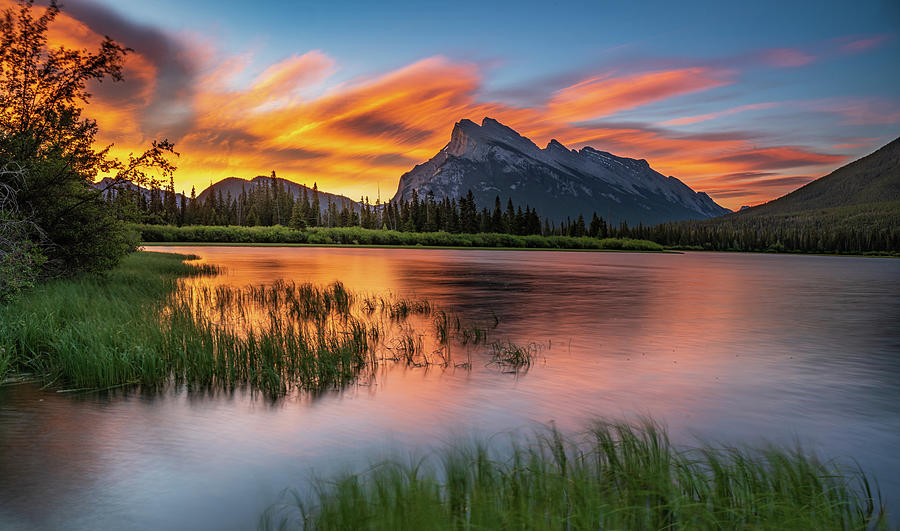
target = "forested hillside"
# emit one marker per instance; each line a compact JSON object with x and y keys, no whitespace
{"x":855,"y":209}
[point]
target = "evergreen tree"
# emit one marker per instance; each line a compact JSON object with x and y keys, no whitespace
{"x":298,"y":217}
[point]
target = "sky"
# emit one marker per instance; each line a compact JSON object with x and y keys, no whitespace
{"x":745,"y":101}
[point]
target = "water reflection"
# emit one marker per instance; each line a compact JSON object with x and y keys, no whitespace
{"x":723,"y":346}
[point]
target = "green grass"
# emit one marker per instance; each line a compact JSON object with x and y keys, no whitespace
{"x":357,"y":236}
{"x":138,"y":325}
{"x":93,"y":331}
{"x":617,"y":476}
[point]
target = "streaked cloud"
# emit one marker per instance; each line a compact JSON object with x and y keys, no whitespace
{"x":786,"y":57}
{"x":600,"y":96}
{"x":854,"y":45}
{"x":687,"y":120}
{"x":860,"y":111}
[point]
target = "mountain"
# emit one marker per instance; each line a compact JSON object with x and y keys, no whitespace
{"x":236,"y":185}
{"x":493,"y":159}
{"x":103,"y":183}
{"x":870,"y":180}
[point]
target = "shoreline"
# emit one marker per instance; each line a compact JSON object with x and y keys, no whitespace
{"x":388,"y":246}
{"x":483,"y":248}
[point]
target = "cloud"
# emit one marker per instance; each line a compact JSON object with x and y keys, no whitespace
{"x":159,"y":74}
{"x":757,"y":191}
{"x":287,"y":78}
{"x":778,"y":158}
{"x":605,"y":95}
{"x":687,"y":120}
{"x":786,"y":57}
{"x":860,"y":111}
{"x":860,"y":44}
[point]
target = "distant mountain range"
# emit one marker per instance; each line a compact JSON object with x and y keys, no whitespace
{"x":494,"y":160}
{"x":104,"y":184}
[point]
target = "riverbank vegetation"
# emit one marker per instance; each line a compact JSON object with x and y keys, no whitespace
{"x":139,"y":325}
{"x":361,"y":236}
{"x":616,"y":476}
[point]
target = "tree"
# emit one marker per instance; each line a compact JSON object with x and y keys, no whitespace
{"x":21,"y":241}
{"x":298,"y":217}
{"x":43,"y":132}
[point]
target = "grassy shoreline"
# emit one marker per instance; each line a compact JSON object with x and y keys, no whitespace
{"x":411,"y":247}
{"x":359,"y":237}
{"x":614,"y":476}
{"x":355,"y":237}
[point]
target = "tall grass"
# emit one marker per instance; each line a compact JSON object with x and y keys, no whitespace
{"x":361,"y":236}
{"x":617,"y":476}
{"x":94,"y":331}
{"x":138,"y":324}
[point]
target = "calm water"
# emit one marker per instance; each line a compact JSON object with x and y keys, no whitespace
{"x":722,"y":347}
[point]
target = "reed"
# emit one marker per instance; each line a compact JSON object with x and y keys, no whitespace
{"x":614,"y":476}
{"x":139,"y":325}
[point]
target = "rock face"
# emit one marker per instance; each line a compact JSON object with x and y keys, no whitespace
{"x":493,"y":159}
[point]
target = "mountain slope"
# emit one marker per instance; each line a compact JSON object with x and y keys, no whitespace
{"x":493,"y":159}
{"x":874,"y":178}
{"x":854,"y":209}
{"x":110,"y":191}
{"x":236,"y":185}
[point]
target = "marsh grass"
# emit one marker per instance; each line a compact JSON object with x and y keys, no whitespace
{"x":140,"y":325}
{"x":615,"y":476}
{"x":92,"y":331}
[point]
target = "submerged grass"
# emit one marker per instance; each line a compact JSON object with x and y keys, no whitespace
{"x":139,"y":325}
{"x":513,"y":356}
{"x":617,"y":476}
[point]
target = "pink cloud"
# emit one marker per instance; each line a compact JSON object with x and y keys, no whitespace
{"x":687,"y":120}
{"x":861,"y":111}
{"x":786,"y":57}
{"x":606,"y":95}
{"x":851,"y":45}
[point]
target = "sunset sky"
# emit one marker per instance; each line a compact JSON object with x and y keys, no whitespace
{"x":744,"y":102}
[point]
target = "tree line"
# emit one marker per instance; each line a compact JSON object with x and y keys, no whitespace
{"x":268,"y":202}
{"x":855,"y":229}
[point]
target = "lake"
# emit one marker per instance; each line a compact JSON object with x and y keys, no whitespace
{"x":724,"y":348}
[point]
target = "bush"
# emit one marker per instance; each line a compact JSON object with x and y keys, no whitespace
{"x":361,"y":236}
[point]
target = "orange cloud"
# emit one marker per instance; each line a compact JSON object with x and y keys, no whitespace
{"x":687,"y":120}
{"x":605,"y":95}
